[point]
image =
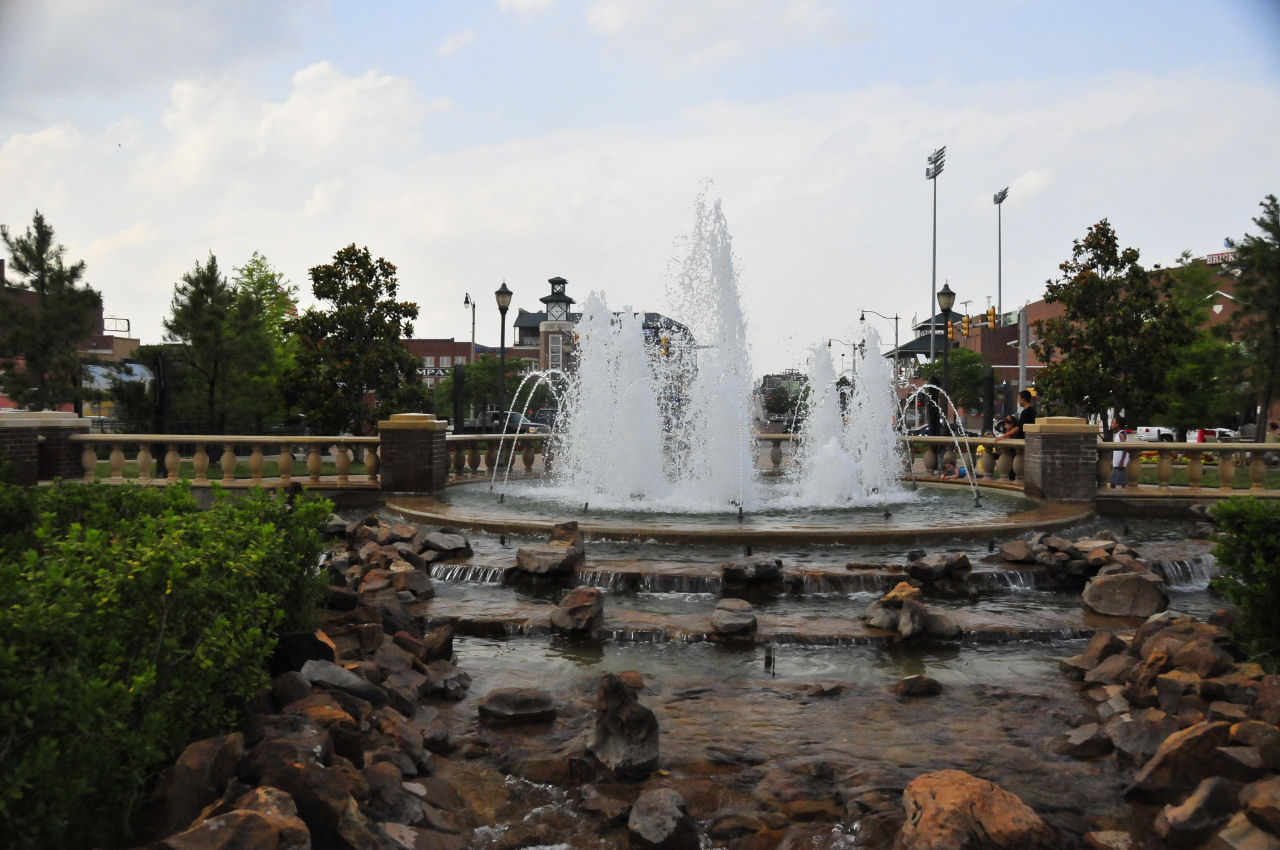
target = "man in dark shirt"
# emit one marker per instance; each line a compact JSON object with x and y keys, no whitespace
{"x":1026,"y":416}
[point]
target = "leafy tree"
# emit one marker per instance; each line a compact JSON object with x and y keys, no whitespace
{"x":1120,"y":331}
{"x":778,"y":401}
{"x":966,"y":370}
{"x":352,"y":364}
{"x":44,"y":335}
{"x":1249,"y":552}
{"x":1257,"y":318}
{"x":480,"y":387}
{"x":221,"y":343}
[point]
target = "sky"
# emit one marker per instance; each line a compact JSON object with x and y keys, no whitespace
{"x":472,"y":143}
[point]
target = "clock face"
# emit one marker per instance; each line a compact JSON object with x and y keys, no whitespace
{"x":556,"y":312}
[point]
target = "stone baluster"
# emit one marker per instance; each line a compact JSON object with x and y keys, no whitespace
{"x":1104,"y":466}
{"x":948,"y":454}
{"x":989,"y":462}
{"x":116,"y":462}
{"x":285,"y":463}
{"x":526,"y":458}
{"x":473,"y":458}
{"x":145,"y":460}
{"x":1164,"y":468}
{"x":372,"y":463}
{"x":228,"y":463}
{"x":1019,"y":461}
{"x":1133,"y":472}
{"x":1226,"y":470}
{"x":314,"y":464}
{"x":1257,"y":471}
{"x":491,"y":457}
{"x":1195,"y":468}
{"x":775,"y":454}
{"x":172,"y":462}
{"x":256,"y":464}
{"x":89,"y":462}
{"x":930,"y":458}
{"x":343,"y":464}
{"x":200,"y":464}
{"x":459,"y":459}
{"x":1005,"y":464}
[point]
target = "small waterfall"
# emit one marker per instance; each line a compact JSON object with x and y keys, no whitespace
{"x":1192,"y":573}
{"x":1019,"y":580}
{"x":470,"y":573}
{"x":846,"y":584}
{"x":668,"y":583}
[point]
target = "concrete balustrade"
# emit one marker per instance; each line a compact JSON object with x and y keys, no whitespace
{"x":518,"y":455}
{"x":1195,"y":458}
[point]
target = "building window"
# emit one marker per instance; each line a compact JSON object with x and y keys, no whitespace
{"x":554,"y":352}
{"x":428,"y":361}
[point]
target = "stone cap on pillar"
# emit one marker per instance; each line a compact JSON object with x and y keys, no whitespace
{"x":41,"y":419}
{"x":413,"y":422}
{"x":1061,"y":425}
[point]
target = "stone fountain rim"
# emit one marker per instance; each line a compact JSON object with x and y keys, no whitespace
{"x":1045,"y":516}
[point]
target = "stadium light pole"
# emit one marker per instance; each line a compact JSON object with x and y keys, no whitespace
{"x":935,"y":160}
{"x":998,"y":200}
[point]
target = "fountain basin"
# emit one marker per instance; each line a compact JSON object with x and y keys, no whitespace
{"x":943,"y":512}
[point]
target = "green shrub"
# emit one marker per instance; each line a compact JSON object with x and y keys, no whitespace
{"x":1248,"y":553}
{"x":130,"y":625}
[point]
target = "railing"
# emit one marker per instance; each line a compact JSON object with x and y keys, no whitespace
{"x":985,"y":454}
{"x":467,"y":451}
{"x":1176,"y":460}
{"x":262,"y":450}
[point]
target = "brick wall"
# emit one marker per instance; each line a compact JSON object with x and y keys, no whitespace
{"x":412,"y":455}
{"x":1061,"y":467}
{"x":59,"y":457}
{"x":19,"y":449}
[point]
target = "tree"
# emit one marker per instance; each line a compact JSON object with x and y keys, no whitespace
{"x":778,"y":401}
{"x":966,"y":370}
{"x":352,"y":364}
{"x":1257,"y":318}
{"x":1120,"y":332}
{"x":222,"y":349}
{"x":480,"y":387}
{"x":43,"y":330}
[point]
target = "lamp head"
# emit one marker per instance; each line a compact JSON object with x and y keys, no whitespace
{"x":503,"y":297}
{"x":863,"y":317}
{"x":467,"y":302}
{"x":946,"y":298}
{"x":1000,"y":196}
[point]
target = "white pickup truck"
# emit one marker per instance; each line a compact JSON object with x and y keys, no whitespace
{"x":1154,"y":434}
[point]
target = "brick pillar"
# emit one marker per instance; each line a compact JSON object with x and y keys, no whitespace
{"x":1061,"y":462}
{"x":37,"y":445}
{"x":412,"y":456}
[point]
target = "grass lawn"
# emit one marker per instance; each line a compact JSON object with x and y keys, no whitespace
{"x":1210,"y":479}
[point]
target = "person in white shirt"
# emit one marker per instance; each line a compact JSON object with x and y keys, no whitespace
{"x":1119,"y":457}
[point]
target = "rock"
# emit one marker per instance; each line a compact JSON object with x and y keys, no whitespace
{"x":413,"y":581}
{"x":1017,"y":552}
{"x":1112,"y":671}
{"x":580,"y":611}
{"x":240,"y":830}
{"x":1101,"y":646}
{"x":733,"y":617}
{"x":1240,"y":833}
{"x":516,"y":706}
{"x":1138,"y":737}
{"x":276,"y":738}
{"x":395,"y":617}
{"x":881,"y":616}
{"x":195,"y":780}
{"x":1243,"y":764}
{"x":1192,"y":821}
{"x":1267,"y":706}
{"x":1126,"y":595}
{"x":902,"y":592}
{"x":1264,"y":736}
{"x":289,"y":687}
{"x":1173,"y":686}
{"x":625,"y":735}
{"x":297,"y":648}
{"x":446,"y":679}
{"x":951,"y":809}
{"x":1180,"y":763}
{"x":325,"y":805}
{"x":932,"y":568}
{"x":911,"y":619}
{"x":1084,"y":742}
{"x":565,"y":551}
{"x":1202,"y":531}
{"x":659,"y":819}
{"x":326,"y":674}
{"x":445,"y":545}
{"x":438,"y":645}
{"x":939,"y":625}
{"x":752,"y":571}
{"x":1261,"y":803}
{"x":730,"y":825}
{"x":340,"y":598}
{"x":404,"y":689}
{"x":1109,"y":839}
{"x":917,"y":686}
{"x":611,"y":809}
{"x":1203,"y":657}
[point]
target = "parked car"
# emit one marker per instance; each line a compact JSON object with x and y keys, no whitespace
{"x":1155,"y":434}
{"x":1211,"y":435}
{"x":546,"y":415}
{"x":515,"y":422}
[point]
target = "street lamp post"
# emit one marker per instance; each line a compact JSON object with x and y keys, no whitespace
{"x":935,"y":160}
{"x":468,"y":301}
{"x":894,"y":317}
{"x":946,"y":298}
{"x":503,"y":297}
{"x":998,"y":200}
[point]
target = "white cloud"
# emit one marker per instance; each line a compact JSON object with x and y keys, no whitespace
{"x":455,"y":42}
{"x":526,"y":6}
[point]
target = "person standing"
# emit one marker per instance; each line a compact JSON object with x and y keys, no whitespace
{"x":1026,"y":416}
{"x":1119,"y":457}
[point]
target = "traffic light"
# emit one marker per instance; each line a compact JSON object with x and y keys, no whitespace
{"x":951,"y":331}
{"x":964,"y":325}
{"x":991,"y":317}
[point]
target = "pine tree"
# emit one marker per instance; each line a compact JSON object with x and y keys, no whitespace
{"x":1257,"y":317}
